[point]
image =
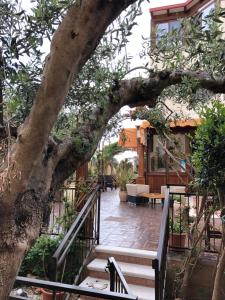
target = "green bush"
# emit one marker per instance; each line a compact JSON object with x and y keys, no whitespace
{"x":176,"y":226}
{"x":209,"y":147}
{"x":36,"y":262}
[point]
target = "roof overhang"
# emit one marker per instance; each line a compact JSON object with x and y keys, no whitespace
{"x":177,"y":8}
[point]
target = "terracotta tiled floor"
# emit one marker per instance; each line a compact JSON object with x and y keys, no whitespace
{"x":129,"y":226}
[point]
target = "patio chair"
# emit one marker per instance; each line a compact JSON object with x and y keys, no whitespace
{"x":109,"y":181}
{"x":133,"y":192}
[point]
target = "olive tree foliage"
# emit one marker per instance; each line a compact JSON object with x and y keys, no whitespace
{"x":208,"y":159}
{"x":198,"y":46}
{"x":209,"y":146}
{"x":23,"y":34}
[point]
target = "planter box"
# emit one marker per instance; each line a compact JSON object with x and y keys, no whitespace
{"x":177,"y":240}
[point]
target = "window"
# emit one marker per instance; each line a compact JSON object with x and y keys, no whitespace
{"x":157,"y":156}
{"x":163,"y":28}
{"x":174,"y":25}
{"x":161,"y":161}
{"x":207,"y":10}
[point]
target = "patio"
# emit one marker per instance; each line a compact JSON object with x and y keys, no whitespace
{"x":125,"y":225}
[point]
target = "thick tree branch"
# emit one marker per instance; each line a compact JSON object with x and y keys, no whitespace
{"x":133,"y":92}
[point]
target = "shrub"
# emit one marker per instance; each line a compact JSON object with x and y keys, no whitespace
{"x":37,"y":259}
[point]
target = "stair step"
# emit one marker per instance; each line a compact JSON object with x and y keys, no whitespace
{"x":143,"y":292}
{"x":134,"y":273}
{"x":137,"y":256}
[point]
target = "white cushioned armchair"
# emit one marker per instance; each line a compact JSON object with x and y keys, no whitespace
{"x":134,"y":191}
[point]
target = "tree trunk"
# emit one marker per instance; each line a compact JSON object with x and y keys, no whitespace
{"x":1,"y":90}
{"x":18,"y":231}
{"x":27,"y":176}
{"x":219,"y":282}
{"x":10,"y":260}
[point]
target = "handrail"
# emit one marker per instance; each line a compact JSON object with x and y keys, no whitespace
{"x":71,"y":289}
{"x":85,"y":227}
{"x":159,"y":264}
{"x":163,"y":228}
{"x":184,"y":208}
{"x":80,"y":196}
{"x":117,"y":280}
{"x":75,"y":198}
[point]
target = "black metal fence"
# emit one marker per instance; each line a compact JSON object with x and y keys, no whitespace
{"x":71,"y":256}
{"x":180,"y":211}
{"x":184,"y":209}
{"x":159,"y":264}
{"x":117,"y":281}
{"x":69,"y":289}
{"x":68,"y":201}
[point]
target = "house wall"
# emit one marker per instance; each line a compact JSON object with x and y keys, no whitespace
{"x":157,"y":179}
{"x":181,"y":109}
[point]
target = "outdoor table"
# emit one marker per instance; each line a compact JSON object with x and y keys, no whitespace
{"x":153,"y":197}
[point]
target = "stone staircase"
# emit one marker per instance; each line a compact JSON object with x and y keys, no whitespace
{"x":135,"y":265}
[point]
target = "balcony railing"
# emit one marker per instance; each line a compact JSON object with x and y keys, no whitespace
{"x":159,"y":264}
{"x":184,"y":209}
{"x":69,"y":290}
{"x":69,"y":198}
{"x":117,"y":281}
{"x":71,"y":256}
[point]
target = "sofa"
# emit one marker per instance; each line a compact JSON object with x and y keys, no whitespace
{"x":134,"y":191}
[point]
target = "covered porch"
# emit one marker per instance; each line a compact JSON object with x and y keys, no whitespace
{"x":156,"y":166}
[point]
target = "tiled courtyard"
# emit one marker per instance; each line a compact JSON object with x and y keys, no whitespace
{"x":126,"y":225}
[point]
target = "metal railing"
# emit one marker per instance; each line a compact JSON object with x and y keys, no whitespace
{"x":117,"y":281}
{"x":77,"y":192}
{"x":184,"y":209}
{"x":159,"y":263}
{"x":179,"y":211}
{"x":70,"y":289}
{"x":69,"y":200}
{"x":71,"y":256}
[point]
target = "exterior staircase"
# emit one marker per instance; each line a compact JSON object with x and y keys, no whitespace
{"x":135,"y":265}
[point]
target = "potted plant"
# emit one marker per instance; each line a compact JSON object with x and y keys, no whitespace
{"x":124,"y":175}
{"x":48,"y":295}
{"x":177,"y":236}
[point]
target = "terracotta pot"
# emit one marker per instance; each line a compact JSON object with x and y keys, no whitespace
{"x":177,"y":240}
{"x":48,"y":295}
{"x":123,"y":196}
